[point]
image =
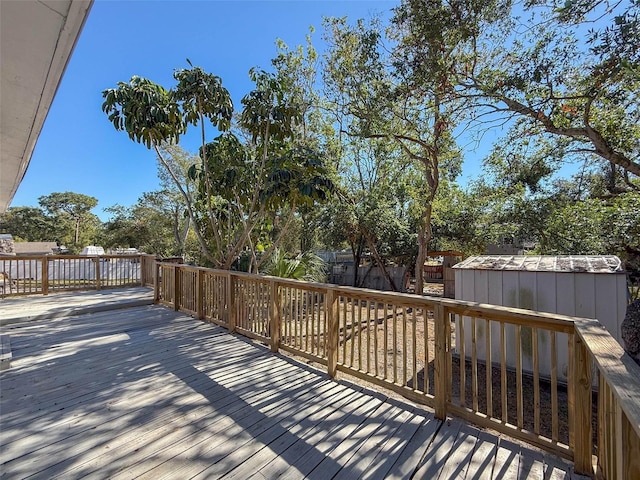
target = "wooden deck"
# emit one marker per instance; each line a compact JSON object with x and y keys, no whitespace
{"x":145,"y":392}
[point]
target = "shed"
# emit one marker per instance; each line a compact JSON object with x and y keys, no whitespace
{"x":443,"y":271}
{"x":590,"y":286}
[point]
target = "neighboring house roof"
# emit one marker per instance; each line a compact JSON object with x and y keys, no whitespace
{"x":545,"y":263}
{"x":34,"y":248}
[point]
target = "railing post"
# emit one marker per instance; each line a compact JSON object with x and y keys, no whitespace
{"x":231,"y":303}
{"x":156,"y":283}
{"x":177,"y":291}
{"x":442,"y":346}
{"x":142,"y":261}
{"x":274,"y":315}
{"x":581,"y":386}
{"x":333,"y":324}
{"x":45,"y":275}
{"x":200,"y":294}
{"x":97,"y":269}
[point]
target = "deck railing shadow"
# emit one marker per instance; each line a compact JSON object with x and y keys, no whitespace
{"x":236,"y":380}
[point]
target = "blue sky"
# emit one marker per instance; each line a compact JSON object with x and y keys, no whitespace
{"x":80,"y":151}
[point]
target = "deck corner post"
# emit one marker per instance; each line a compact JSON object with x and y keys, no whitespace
{"x":274,"y":315}
{"x":581,"y":386}
{"x":200,"y":294}
{"x":156,"y":282}
{"x":331,"y":306}
{"x":231,"y":303}
{"x":45,"y":275}
{"x":440,"y":361}
{"x":176,"y":287}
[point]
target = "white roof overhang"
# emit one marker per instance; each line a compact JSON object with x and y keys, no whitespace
{"x":36,"y":42}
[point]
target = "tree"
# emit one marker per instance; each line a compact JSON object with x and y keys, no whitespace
{"x":238,"y":185}
{"x":577,"y":104}
{"x":377,"y":97}
{"x":372,"y":214}
{"x":29,"y":224}
{"x":170,"y":201}
{"x":75,"y":207}
{"x":151,"y":115}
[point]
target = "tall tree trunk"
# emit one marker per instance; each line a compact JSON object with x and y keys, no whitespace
{"x":424,"y":237}
{"x":356,"y":250}
{"x":76,"y":235}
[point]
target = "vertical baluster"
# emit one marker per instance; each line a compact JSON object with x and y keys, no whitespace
{"x":414,"y":356}
{"x":394,"y":333}
{"x":463,"y":365}
{"x":344,"y":329}
{"x":536,"y":381}
{"x":474,"y":365}
{"x":359,"y":329}
{"x":368,"y":307}
{"x":310,"y":312}
{"x":503,"y":374}
{"x":332,"y":310}
{"x":404,"y":345}
{"x":353,"y":332}
{"x":300,"y":313}
{"x":603,"y":447}
{"x":375,"y":341}
{"x":520,"y":415}
{"x":554,"y":388}
{"x":489,"y":369}
{"x":425,"y":327}
{"x":385,"y":340}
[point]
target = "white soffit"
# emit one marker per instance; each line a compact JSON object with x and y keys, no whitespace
{"x":36,"y":42}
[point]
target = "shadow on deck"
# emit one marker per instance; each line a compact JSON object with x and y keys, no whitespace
{"x":146,"y":392}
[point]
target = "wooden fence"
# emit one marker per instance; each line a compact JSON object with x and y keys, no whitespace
{"x":28,"y":275}
{"x":407,"y":343}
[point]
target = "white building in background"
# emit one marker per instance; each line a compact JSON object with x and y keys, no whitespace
{"x":92,"y":250}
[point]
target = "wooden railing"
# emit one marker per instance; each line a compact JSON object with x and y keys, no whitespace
{"x":43,"y":274}
{"x":523,"y":373}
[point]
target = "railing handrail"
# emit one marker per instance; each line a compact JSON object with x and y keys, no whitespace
{"x":74,"y":257}
{"x":557,"y":322}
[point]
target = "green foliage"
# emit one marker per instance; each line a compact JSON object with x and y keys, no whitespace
{"x":74,"y":210}
{"x":240,"y":188}
{"x":29,"y":224}
{"x":304,"y":266}
{"x":595,"y":226}
{"x":63,"y":217}
{"x":73,"y":204}
{"x":147,"y":111}
{"x":202,"y":96}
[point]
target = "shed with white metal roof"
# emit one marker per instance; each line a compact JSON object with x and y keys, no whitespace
{"x":590,"y":286}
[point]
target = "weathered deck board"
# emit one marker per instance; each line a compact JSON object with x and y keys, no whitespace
{"x":65,"y":304}
{"x":150,"y":393}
